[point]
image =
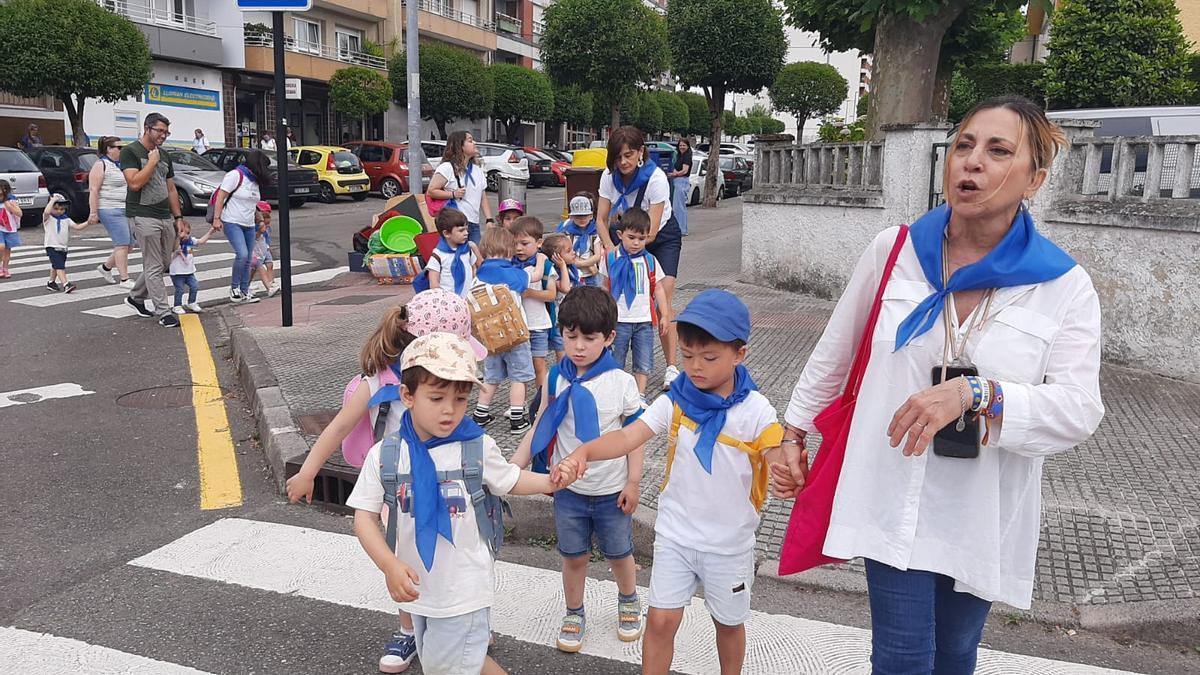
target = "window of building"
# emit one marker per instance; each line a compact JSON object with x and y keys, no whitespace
{"x":349,"y":42}
{"x":308,"y":36}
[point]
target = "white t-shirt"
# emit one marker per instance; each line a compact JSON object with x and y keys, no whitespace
{"x":9,"y":222}
{"x":58,"y":235}
{"x":658,"y":191}
{"x":447,"y":276}
{"x":470,"y":204}
{"x":462,"y":579}
{"x":199,"y":145}
{"x":711,"y":512}
{"x":537,"y":317}
{"x":243,"y":200}
{"x":184,"y":264}
{"x":617,"y":397}
{"x":639,"y":311}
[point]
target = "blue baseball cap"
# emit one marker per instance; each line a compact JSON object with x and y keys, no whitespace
{"x":720,"y":313}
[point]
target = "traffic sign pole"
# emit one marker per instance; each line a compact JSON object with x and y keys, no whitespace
{"x":281,"y":143}
{"x":416,"y":154}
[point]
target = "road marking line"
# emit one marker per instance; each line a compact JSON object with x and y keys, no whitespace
{"x":22,"y":252}
{"x":332,"y":567}
{"x":43,"y":265}
{"x":39,"y":394}
{"x":40,"y":281}
{"x":122,"y":310}
{"x":23,"y":651}
{"x":220,"y":485}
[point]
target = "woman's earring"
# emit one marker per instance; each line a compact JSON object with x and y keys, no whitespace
{"x":641,"y":163}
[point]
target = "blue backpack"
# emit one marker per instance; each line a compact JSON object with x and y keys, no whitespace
{"x":489,"y":509}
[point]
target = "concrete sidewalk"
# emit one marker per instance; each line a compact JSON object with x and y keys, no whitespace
{"x":1120,"y":544}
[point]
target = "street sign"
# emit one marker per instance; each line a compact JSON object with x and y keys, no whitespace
{"x":291,"y":87}
{"x":274,"y":5}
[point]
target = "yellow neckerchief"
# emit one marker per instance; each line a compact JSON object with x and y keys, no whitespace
{"x":769,"y":438}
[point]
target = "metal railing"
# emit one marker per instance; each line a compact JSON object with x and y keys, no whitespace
{"x":142,"y":13}
{"x":1142,"y":167}
{"x":508,"y":24}
{"x":820,"y":165}
{"x":304,"y":47}
{"x":445,"y":10}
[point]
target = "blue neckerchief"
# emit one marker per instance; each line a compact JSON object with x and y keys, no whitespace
{"x":640,"y":178}
{"x":583,"y":235}
{"x":578,"y":399}
{"x":58,"y":220}
{"x":246,"y":173}
{"x":708,"y":410}
{"x":501,"y":271}
{"x":429,"y":511}
{"x":458,"y":268}
{"x":573,"y":273}
{"x":623,"y":277}
{"x":527,"y":262}
{"x":185,"y":246}
{"x":1022,"y":257}
{"x":388,"y":392}
{"x":470,"y":178}
{"x":116,"y":163}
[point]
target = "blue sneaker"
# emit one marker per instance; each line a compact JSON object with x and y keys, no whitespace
{"x":401,"y":650}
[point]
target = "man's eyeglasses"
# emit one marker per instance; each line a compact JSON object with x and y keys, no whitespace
{"x":160,"y":130}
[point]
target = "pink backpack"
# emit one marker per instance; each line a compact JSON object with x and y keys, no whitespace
{"x":364,"y":435}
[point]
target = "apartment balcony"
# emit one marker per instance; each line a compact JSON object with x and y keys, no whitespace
{"x":439,"y":19}
{"x":171,"y":35}
{"x":305,"y":59}
{"x":370,"y":10}
{"x":508,"y":24}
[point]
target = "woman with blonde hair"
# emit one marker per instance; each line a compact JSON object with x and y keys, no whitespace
{"x":460,"y":177}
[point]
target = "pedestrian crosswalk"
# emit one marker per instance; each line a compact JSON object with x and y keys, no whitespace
{"x":30,"y":268}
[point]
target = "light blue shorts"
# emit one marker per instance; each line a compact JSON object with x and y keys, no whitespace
{"x":515,"y":365}
{"x":727,"y":580}
{"x":117,"y":225}
{"x":544,"y":341}
{"x":454,"y":645}
{"x":10,"y":239}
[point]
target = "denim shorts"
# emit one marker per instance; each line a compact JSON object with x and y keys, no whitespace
{"x":544,"y":341}
{"x":58,"y":258}
{"x":577,"y":517}
{"x":515,"y":365}
{"x":117,"y":225}
{"x":453,"y":644}
{"x":10,"y":239}
{"x":641,"y":337}
{"x":727,"y":580}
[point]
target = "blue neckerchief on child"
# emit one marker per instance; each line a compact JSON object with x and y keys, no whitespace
{"x":573,"y":274}
{"x":527,"y":262}
{"x":185,"y":246}
{"x":58,"y":221}
{"x":1022,"y":257}
{"x":501,"y":271}
{"x":583,"y":235}
{"x":580,"y":400}
{"x":640,"y":178}
{"x":708,"y":410}
{"x":458,"y":268}
{"x":623,"y":277}
{"x":388,"y":392}
{"x":430,"y":513}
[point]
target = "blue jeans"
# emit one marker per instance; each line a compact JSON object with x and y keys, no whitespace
{"x":920,"y":624}
{"x":473,"y":232}
{"x":242,"y":240}
{"x":183,"y":281}
{"x":679,"y":201}
{"x":639,"y":336}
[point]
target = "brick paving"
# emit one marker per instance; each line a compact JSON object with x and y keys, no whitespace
{"x":1120,"y":520}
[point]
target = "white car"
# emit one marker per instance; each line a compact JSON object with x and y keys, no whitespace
{"x":696,"y":180}
{"x":498,"y":160}
{"x":729,"y":148}
{"x":27,"y":183}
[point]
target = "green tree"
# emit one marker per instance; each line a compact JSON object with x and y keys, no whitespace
{"x":863,"y":102}
{"x":807,"y":90}
{"x":521,"y":94}
{"x":454,"y":84}
{"x":699,"y":119}
{"x":963,"y":96}
{"x":73,"y":50}
{"x":674,"y":112}
{"x":1113,"y":53}
{"x":572,"y":106}
{"x":724,"y":46}
{"x":773,"y":126}
{"x":604,"y":46}
{"x":996,"y":79}
{"x":729,"y":125}
{"x":358,"y":92}
{"x":650,"y":114}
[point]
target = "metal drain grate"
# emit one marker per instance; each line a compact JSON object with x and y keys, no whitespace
{"x":333,"y":484}
{"x":158,"y":398}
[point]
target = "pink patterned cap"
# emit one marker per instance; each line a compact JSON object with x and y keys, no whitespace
{"x":440,"y":311}
{"x":265,"y":207}
{"x":511,"y":205}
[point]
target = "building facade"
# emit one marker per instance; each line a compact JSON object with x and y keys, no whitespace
{"x":1034,"y":47}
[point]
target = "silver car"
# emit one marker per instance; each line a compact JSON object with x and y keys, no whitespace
{"x":28,"y":184}
{"x":196,"y":178}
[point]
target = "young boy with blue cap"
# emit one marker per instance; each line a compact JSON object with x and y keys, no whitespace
{"x":722,"y":435}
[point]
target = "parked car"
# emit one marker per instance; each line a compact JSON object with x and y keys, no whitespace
{"x":196,"y":179}
{"x":28,"y":184}
{"x":562,"y":162}
{"x":339,"y":171}
{"x":66,"y":170}
{"x":387,"y":166}
{"x":302,"y":182}
{"x":498,"y":160}
{"x":696,"y":180}
{"x":739,"y":175}
{"x":542,"y":169}
{"x":729,"y":148}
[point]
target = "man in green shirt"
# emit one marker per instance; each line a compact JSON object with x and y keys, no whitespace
{"x":152,"y":207}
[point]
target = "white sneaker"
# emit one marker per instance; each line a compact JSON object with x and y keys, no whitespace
{"x":669,"y":376}
{"x":127,"y":284}
{"x":107,"y":274}
{"x":177,"y":309}
{"x":194,"y":307}
{"x":249,"y":299}
{"x":273,"y":290}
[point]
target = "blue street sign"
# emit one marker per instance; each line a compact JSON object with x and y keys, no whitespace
{"x":274,"y":5}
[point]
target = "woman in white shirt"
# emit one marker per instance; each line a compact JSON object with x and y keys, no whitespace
{"x":460,"y":177}
{"x":106,"y":197}
{"x":632,"y":180}
{"x":234,"y":210}
{"x":944,"y":533}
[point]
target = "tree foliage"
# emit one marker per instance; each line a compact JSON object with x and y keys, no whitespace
{"x":674,"y":112}
{"x":863,"y":105}
{"x":808,"y":89}
{"x":572,"y":105}
{"x":454,"y":84}
{"x":724,"y":46}
{"x":649,"y":113}
{"x":356,"y":91}
{"x":1113,"y":53}
{"x":521,"y":94}
{"x":699,"y":119}
{"x":998,"y":79}
{"x":604,"y":46}
{"x":73,"y":50}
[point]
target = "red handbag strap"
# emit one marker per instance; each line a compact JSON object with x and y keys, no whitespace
{"x":859,"y":367}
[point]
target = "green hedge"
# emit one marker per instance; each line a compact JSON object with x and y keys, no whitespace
{"x":999,"y":79}
{"x":1194,"y":60}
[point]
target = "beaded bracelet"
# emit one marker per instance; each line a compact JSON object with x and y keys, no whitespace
{"x":994,"y":409}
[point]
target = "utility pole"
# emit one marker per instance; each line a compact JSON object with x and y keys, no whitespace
{"x":416,"y":157}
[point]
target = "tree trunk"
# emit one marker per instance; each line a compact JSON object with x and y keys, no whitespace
{"x":75,"y":117}
{"x":800,"y":120}
{"x":441,"y":127}
{"x":940,"y":100}
{"x":616,"y":116}
{"x":906,"y":65}
{"x":716,"y":109}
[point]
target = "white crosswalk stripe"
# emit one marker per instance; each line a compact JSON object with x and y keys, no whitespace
{"x":120,"y":311}
{"x":22,"y":252}
{"x":40,"y":281}
{"x":332,"y":567}
{"x":42,"y":265}
{"x":23,"y":651}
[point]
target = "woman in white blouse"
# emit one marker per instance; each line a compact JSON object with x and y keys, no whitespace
{"x":975,"y":288}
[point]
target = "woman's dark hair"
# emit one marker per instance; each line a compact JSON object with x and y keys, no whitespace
{"x":624,"y":137}
{"x":588,"y":309}
{"x":454,"y":152}
{"x":105,"y":143}
{"x":683,"y":140}
{"x":260,"y":165}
